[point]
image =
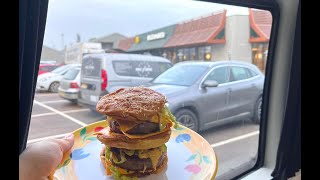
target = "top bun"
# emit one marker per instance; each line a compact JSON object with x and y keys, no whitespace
{"x":133,"y":104}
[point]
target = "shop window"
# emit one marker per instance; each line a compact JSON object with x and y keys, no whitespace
{"x":221,"y":34}
{"x":253,"y":34}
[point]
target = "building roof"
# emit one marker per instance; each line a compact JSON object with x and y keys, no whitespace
{"x":199,"y":31}
{"x":260,"y":23}
{"x":145,"y":44}
{"x":109,"y":38}
{"x":124,"y":44}
{"x":50,"y":54}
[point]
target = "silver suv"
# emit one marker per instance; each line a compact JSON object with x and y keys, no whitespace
{"x":104,"y":73}
{"x":205,"y":94}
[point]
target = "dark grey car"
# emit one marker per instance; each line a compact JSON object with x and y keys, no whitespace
{"x":205,"y":94}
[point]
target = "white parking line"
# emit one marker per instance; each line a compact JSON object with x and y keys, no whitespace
{"x":48,"y":137}
{"x":60,"y":113}
{"x":57,"y":101}
{"x":221,"y":143}
{"x":53,"y":113}
{"x":40,"y":95}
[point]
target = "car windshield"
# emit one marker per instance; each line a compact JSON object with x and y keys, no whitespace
{"x":71,"y":74}
{"x":183,"y":75}
{"x":60,"y":70}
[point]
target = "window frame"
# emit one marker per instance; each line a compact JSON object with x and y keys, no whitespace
{"x":273,"y":7}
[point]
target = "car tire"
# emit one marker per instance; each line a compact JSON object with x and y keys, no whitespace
{"x":257,"y":111}
{"x":74,"y":101}
{"x":54,"y":87}
{"x":188,"y":119}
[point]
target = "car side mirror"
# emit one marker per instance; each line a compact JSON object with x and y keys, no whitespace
{"x":209,"y":83}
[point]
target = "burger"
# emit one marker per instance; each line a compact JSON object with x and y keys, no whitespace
{"x":139,"y":125}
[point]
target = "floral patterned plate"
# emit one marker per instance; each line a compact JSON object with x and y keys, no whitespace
{"x":189,"y":157}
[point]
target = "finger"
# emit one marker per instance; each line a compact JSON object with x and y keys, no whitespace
{"x":66,"y":143}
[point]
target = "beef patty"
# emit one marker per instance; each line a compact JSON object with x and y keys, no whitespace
{"x":142,"y":128}
{"x":134,"y":163}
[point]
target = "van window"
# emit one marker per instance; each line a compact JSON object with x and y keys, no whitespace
{"x":140,"y":68}
{"x":91,"y":67}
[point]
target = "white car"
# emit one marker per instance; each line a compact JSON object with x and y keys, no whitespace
{"x":69,"y":85}
{"x":50,"y":81}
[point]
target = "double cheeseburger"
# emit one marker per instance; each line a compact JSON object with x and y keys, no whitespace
{"x":139,"y":126}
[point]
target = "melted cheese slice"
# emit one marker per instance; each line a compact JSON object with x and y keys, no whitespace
{"x":131,"y":136}
{"x":153,"y":154}
{"x":126,"y":125}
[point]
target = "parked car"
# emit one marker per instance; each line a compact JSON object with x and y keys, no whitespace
{"x":50,"y":81}
{"x":44,"y":68}
{"x":69,"y":85}
{"x":205,"y":94}
{"x":48,"y":62}
{"x":107,"y":72}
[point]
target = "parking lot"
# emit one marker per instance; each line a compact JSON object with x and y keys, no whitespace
{"x":235,"y":144}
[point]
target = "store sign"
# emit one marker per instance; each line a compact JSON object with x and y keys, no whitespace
{"x":137,"y":39}
{"x":159,"y":35}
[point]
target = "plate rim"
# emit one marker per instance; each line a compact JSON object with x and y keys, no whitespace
{"x":214,"y":153}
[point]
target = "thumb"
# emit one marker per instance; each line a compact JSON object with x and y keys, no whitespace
{"x":66,"y":143}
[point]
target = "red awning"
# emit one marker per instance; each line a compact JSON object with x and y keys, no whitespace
{"x":260,"y":22}
{"x":125,"y":44}
{"x":199,"y":31}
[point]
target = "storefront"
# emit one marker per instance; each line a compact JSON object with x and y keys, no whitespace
{"x":196,"y":39}
{"x":260,"y":28}
{"x":210,"y":38}
{"x":152,"y":42}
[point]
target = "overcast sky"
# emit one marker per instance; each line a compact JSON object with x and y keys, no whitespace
{"x":96,"y":18}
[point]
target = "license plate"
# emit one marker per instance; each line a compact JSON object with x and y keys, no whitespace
{"x":84,"y":86}
{"x":61,"y":94}
{"x":94,"y":98}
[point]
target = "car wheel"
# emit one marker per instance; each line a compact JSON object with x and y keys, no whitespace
{"x":257,"y":111}
{"x":54,"y":87}
{"x":74,"y":101}
{"x":188,"y":119}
